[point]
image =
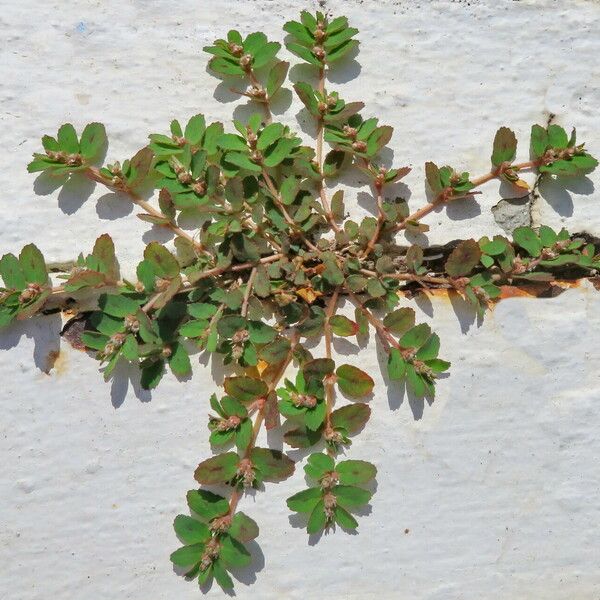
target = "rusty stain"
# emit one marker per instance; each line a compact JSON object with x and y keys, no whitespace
{"x":51,"y":359}
{"x":56,"y":361}
{"x":525,"y":290}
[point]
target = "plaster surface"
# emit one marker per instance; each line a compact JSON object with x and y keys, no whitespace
{"x":490,"y":492}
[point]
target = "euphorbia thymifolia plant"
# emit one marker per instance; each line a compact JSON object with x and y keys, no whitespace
{"x":275,"y":256}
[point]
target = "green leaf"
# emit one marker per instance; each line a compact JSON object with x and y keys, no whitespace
{"x":94,"y":340}
{"x":224,"y":66}
{"x":400,"y":320}
{"x":304,"y":501}
{"x":243,"y":528}
{"x":318,"y":368}
{"x":233,"y":553}
{"x":416,"y":336}
{"x":463,"y":259}
{"x":557,"y":137}
{"x":528,"y":239}
{"x":221,"y":576}
{"x":354,"y":382}
{"x":273,"y":465}
{"x":117,"y":305}
{"x":230,"y":141}
{"x":207,"y":504}
{"x":429,"y":350}
{"x":266,"y":54}
{"x":437,"y":365}
{"x":539,"y":140}
{"x":12,"y":273}
{"x":318,"y":464}
{"x":195,"y":129}
{"x":104,"y":251}
{"x":93,"y":141}
{"x":317,"y":519}
{"x":304,"y":53}
{"x":245,"y":388}
{"x":301,"y":438}
{"x":432,"y":174}
{"x":179,"y":360}
{"x":33,"y":265}
{"x":341,"y":51}
{"x":242,"y":161}
{"x":333,"y":162}
{"x":194,"y":328}
{"x":495,"y":247}
{"x":218,"y":469}
{"x":505,"y":147}
{"x":152,"y":374}
{"x":344,"y":519}
{"x":343,"y":326}
{"x":190,"y":531}
{"x":129,"y":349}
{"x":67,"y":139}
{"x":279,"y":152}
{"x":351,"y":417}
{"x":84,"y":279}
{"x":229,"y":325}
{"x":187,"y":556}
{"x":164,"y":263}
{"x":396,"y":365}
{"x":356,"y":283}
{"x":276,"y":77}
{"x":350,"y":496}
{"x":375,"y":288}
{"x":547,"y":236}
{"x":270,"y":134}
{"x":355,"y":471}
{"x":561,"y":168}
{"x":261,"y":333}
{"x":584,"y":163}
{"x":415,"y":381}
{"x":275,"y":352}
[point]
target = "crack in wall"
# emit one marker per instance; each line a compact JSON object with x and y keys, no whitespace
{"x":522,"y":211}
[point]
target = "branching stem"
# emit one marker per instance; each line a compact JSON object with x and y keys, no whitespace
{"x":442,"y":197}
{"x":284,"y":212}
{"x":260,"y":416}
{"x":328,"y":334}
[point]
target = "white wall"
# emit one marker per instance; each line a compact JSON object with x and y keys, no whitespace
{"x":491,"y":492}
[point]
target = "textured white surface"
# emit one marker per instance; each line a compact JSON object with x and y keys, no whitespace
{"x":496,"y":482}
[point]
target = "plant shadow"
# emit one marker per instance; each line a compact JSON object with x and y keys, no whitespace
{"x":555,"y":191}
{"x":124,"y":376}
{"x":45,"y":333}
{"x":75,"y":189}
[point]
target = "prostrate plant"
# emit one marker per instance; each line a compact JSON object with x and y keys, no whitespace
{"x":267,"y":269}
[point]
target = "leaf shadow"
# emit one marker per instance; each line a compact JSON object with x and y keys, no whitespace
{"x":423,"y":301}
{"x":124,"y":376}
{"x":45,"y":333}
{"x":464,"y":311}
{"x":463,"y":209}
{"x":555,"y":190}
{"x":307,"y":123}
{"x":113,"y":205}
{"x":75,"y":189}
{"x":247,"y":575}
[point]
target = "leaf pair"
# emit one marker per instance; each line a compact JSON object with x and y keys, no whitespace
{"x":237,"y":56}
{"x":214,"y":544}
{"x":319,"y":42}
{"x":337,"y":492}
{"x":66,"y":153}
